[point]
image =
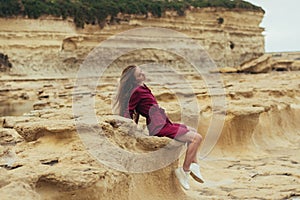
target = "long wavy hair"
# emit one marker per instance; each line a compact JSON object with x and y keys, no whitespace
{"x":126,"y":84}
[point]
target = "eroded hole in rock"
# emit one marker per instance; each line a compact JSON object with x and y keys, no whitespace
{"x":114,"y":124}
{"x":69,"y":44}
{"x":8,"y":167}
{"x":5,"y":64}
{"x":50,"y":162}
{"x":220,"y":20}
{"x":280,"y":69}
{"x":294,"y":162}
{"x":231,"y":45}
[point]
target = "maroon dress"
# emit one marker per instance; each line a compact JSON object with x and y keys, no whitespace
{"x":143,"y":102}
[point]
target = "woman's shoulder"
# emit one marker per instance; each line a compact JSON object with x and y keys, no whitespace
{"x":141,"y":88}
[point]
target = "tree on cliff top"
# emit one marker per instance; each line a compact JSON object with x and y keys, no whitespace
{"x":97,"y":11}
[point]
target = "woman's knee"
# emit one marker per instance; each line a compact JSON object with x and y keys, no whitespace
{"x":191,"y":137}
{"x":198,"y":138}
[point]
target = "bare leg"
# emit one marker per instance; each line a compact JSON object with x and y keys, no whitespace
{"x":194,"y":130}
{"x":193,"y":139}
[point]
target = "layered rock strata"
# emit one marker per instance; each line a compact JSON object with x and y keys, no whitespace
{"x":50,"y":45}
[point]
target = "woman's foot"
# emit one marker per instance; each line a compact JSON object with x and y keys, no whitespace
{"x":183,"y":177}
{"x":195,"y":172}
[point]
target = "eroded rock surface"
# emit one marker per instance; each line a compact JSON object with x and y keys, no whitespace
{"x":257,"y":148}
{"x":52,"y":161}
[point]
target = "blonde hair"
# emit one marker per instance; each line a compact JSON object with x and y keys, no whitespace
{"x":126,"y":84}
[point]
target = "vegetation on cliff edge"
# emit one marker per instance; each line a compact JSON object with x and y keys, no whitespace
{"x":96,"y":11}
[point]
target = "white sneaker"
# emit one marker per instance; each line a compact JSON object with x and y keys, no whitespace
{"x":195,"y":172}
{"x":183,"y":177}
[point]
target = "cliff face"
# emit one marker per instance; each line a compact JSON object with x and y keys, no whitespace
{"x":48,"y":44}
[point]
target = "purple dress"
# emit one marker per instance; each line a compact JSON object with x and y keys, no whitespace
{"x":143,"y":102}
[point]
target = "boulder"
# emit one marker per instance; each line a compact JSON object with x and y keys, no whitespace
{"x":259,"y":65}
{"x":32,"y":131}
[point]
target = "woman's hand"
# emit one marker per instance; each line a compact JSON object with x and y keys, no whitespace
{"x":136,"y":117}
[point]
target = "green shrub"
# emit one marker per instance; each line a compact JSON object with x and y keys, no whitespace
{"x":9,"y":8}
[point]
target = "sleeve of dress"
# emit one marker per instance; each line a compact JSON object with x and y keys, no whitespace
{"x":133,"y":102}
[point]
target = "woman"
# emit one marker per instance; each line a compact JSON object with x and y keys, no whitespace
{"x":134,"y":98}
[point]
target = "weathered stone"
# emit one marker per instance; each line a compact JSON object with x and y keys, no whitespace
{"x":225,"y":70}
{"x":24,"y":96}
{"x":52,"y":165}
{"x":259,"y":65}
{"x":295,"y":66}
{"x":10,"y":121}
{"x":15,"y":190}
{"x":9,"y":136}
{"x":40,"y":105}
{"x":32,"y":131}
{"x":282,"y":65}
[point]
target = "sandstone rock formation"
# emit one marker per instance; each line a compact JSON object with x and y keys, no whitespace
{"x":43,"y":138}
{"x":51,"y":45}
{"x":266,"y":63}
{"x":56,"y":163}
{"x":43,"y":157}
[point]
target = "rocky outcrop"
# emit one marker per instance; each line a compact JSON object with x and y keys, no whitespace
{"x":52,"y":162}
{"x":43,"y":152}
{"x":266,"y":63}
{"x":50,"y":45}
{"x":259,"y":65}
